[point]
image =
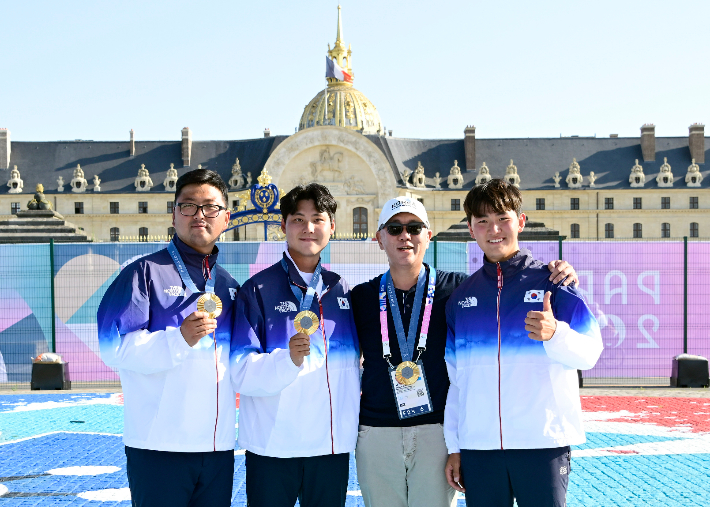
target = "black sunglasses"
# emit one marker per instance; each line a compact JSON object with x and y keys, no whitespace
{"x":413,"y":228}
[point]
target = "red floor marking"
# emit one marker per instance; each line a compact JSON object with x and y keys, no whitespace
{"x":691,"y":413}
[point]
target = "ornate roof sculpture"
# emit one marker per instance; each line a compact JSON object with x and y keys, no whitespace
{"x":665,"y":177}
{"x":574,"y":177}
{"x":15,"y":182}
{"x":511,"y":174}
{"x":484,"y":174}
{"x":693,"y":176}
{"x":78,"y":182}
{"x":637,"y":178}
{"x":345,"y":106}
{"x":143,"y":183}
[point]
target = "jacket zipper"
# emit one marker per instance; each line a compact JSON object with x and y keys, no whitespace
{"x":206,"y":266}
{"x":500,"y":288}
{"x":327,"y":375}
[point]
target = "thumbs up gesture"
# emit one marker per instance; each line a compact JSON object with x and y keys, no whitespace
{"x":541,"y":325}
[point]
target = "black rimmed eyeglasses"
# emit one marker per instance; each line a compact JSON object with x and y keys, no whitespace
{"x":208,"y":210}
{"x":413,"y":228}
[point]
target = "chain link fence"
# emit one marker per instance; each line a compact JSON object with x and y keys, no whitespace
{"x":650,"y":297}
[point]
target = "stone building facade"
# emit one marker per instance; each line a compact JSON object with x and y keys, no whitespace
{"x":611,"y":187}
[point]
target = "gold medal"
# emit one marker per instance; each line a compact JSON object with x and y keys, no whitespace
{"x":209,"y":302}
{"x":306,"y":322}
{"x":407,"y":373}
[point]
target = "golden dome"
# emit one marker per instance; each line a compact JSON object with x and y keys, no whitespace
{"x":346,"y":106}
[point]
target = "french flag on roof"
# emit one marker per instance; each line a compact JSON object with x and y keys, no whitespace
{"x":333,"y":70}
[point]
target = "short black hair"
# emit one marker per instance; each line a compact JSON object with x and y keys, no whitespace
{"x":320,"y":195}
{"x":494,"y":195}
{"x":202,"y":177}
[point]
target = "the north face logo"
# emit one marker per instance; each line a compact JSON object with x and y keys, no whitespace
{"x":175,"y":290}
{"x":286,"y":306}
{"x":344,"y":303}
{"x":468,"y":302}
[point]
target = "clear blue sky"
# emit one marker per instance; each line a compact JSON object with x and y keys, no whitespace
{"x":228,"y":69}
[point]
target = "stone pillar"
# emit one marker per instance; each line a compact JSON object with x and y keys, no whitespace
{"x":4,"y":149}
{"x":132,"y":148}
{"x":469,"y":146}
{"x":696,"y":142}
{"x":648,"y":142}
{"x":186,"y":146}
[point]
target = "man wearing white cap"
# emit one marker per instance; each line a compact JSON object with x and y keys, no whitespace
{"x":401,"y":453}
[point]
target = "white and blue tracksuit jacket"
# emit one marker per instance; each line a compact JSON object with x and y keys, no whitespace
{"x":176,"y":397}
{"x":284,"y":410}
{"x":507,"y":390}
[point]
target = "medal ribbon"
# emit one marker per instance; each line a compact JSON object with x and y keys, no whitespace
{"x":304,"y":300}
{"x":387,"y":291}
{"x":182,"y":270}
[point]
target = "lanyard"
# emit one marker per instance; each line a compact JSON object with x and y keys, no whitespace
{"x":387,"y":289}
{"x":182,"y":270}
{"x":305,"y":300}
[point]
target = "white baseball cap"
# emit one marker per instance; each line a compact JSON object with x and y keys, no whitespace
{"x":402,"y":205}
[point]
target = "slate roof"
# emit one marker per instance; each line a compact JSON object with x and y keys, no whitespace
{"x":537,"y":159}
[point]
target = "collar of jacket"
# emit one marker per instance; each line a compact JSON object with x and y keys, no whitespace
{"x":192,"y":257}
{"x":521,"y":260}
{"x":330,"y":279}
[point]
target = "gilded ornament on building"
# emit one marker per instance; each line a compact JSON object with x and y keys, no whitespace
{"x":637,"y":178}
{"x":693,"y":177}
{"x":264,"y":179}
{"x":665,"y":177}
{"x":345,"y":106}
{"x":574,"y":178}
{"x":39,"y":202}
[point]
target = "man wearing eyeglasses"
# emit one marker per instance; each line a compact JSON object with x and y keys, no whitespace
{"x":401,"y":453}
{"x":165,"y":324}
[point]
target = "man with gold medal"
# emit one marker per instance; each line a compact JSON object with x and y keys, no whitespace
{"x":165,"y":324}
{"x":401,"y":452}
{"x":295,"y":364}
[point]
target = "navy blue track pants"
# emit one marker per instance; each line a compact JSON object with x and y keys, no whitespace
{"x":317,"y":481}
{"x":180,"y":479}
{"x":534,"y":477}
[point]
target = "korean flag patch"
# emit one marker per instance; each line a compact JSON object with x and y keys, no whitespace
{"x":344,"y":303}
{"x":534,"y":296}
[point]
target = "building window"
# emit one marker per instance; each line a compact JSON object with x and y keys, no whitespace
{"x":360,"y":221}
{"x":665,"y":230}
{"x":113,"y":208}
{"x":235,"y":204}
{"x":78,"y":208}
{"x":637,"y":203}
{"x":694,"y":230}
{"x":608,"y":203}
{"x":171,"y":233}
{"x":143,"y":234}
{"x":540,"y":204}
{"x":14,"y":207}
{"x":638,"y":231}
{"x":665,"y":203}
{"x":171,"y":205}
{"x":143,"y":207}
{"x":574,"y":231}
{"x":574,"y":203}
{"x":608,"y":230}
{"x":115,"y":232}
{"x":693,"y":203}
{"x":455,"y":204}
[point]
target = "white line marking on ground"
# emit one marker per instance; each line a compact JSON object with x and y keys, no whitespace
{"x":84,"y":470}
{"x":107,"y":495}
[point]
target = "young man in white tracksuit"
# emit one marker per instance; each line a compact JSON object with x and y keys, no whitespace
{"x":515,"y":341}
{"x":294,"y":361}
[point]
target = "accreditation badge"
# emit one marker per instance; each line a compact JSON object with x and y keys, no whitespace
{"x":411,"y":394}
